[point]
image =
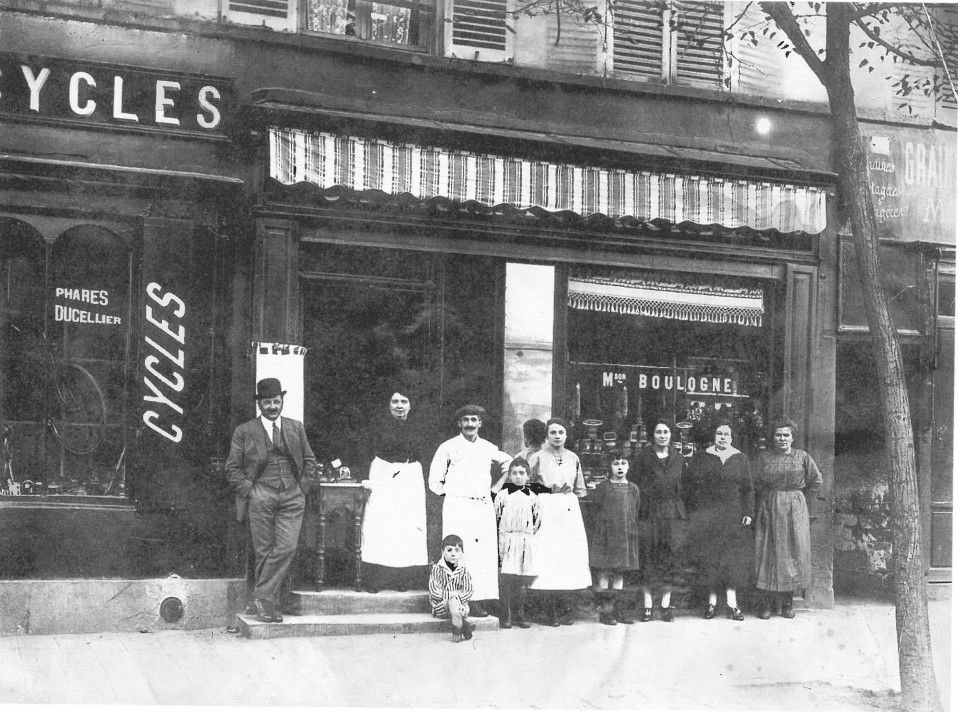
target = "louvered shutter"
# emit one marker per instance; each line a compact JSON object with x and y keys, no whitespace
{"x":578,"y":49}
{"x":275,"y":14}
{"x":698,"y":43}
{"x":637,"y":50}
{"x":759,"y":68}
{"x":948,"y":37}
{"x":480,"y":29}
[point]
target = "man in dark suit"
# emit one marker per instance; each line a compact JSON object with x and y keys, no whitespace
{"x":272,"y":467}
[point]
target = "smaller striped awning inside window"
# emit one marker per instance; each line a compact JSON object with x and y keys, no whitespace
{"x":662,"y":300}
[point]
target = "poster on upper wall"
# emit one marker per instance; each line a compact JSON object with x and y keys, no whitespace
{"x":911,"y":175}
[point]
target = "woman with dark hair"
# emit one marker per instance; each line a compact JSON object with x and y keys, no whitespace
{"x":657,"y":471}
{"x":394,"y":523}
{"x":560,"y":547}
{"x":787,"y":481}
{"x":533,"y":436}
{"x":722,"y":501}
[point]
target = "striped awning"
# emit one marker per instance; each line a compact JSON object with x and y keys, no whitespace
{"x":686,"y":302}
{"x":329,"y":160}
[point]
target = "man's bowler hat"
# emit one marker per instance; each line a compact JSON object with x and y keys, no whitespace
{"x":269,"y":387}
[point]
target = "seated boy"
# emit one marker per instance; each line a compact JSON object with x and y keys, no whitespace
{"x":450,"y":588}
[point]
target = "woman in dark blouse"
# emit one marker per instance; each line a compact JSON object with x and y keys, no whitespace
{"x":657,"y":470}
{"x":394,"y":523}
{"x":787,"y":480}
{"x":722,"y":501}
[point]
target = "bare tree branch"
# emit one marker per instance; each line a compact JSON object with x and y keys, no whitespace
{"x":787,"y":23}
{"x":907,"y":56}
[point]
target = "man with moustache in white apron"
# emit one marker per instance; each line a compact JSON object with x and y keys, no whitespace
{"x":461,"y":473}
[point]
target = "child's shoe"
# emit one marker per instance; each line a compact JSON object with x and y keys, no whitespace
{"x":467,"y":630}
{"x":646,"y":615}
{"x":606,"y":618}
{"x":735,"y":614}
{"x":457,"y":634}
{"x":620,"y":610}
{"x":668,"y":615}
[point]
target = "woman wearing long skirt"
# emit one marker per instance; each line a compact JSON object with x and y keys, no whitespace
{"x":394,"y":522}
{"x":722,"y":503}
{"x":787,"y":481}
{"x":560,"y":547}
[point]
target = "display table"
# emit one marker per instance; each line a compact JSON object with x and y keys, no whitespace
{"x":349,"y":498}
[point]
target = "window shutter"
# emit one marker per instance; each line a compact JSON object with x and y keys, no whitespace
{"x":759,"y":68}
{"x":698,"y":43}
{"x":637,"y":50}
{"x":578,"y":48}
{"x":948,"y":37}
{"x":276,"y":14}
{"x":480,"y":29}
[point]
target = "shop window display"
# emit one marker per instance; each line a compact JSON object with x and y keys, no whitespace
{"x":647,"y":346}
{"x":65,"y":321}
{"x":394,"y":23}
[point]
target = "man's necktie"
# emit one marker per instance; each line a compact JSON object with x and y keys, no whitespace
{"x":275,"y":436}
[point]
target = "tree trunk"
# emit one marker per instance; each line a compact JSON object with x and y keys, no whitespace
{"x":916,"y":671}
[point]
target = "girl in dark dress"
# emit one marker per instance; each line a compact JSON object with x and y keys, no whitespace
{"x":788,"y":479}
{"x":614,"y":544}
{"x":722,"y":500}
{"x":657,"y":471}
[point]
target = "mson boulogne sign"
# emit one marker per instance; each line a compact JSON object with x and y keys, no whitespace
{"x":96,"y":93}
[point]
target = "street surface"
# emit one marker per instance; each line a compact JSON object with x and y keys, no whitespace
{"x":841,"y":659}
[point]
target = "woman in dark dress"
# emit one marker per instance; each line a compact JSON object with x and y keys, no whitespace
{"x":722,"y":500}
{"x":657,"y":471}
{"x":394,"y":522}
{"x":787,"y":480}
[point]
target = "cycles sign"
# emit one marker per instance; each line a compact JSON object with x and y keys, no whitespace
{"x":90,"y":92}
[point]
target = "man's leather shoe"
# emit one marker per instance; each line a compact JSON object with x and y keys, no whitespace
{"x":477,"y":610}
{"x":264,"y":612}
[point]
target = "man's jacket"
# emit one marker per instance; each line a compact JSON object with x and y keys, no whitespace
{"x":247,"y":458}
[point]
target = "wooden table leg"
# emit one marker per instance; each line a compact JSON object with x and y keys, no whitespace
{"x":321,"y":551}
{"x":358,"y":529}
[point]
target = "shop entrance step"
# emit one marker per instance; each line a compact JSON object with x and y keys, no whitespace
{"x":340,"y":601}
{"x":352,"y":624}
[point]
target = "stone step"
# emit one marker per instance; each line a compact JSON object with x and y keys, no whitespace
{"x":340,"y":601}
{"x":353,"y":624}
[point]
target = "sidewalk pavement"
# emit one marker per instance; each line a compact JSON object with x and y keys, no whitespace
{"x":844,"y":658}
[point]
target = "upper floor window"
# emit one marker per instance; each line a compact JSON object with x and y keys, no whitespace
{"x":671,"y":42}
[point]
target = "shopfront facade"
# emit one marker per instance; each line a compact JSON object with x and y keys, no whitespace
{"x":118,"y":226}
{"x":540,"y":287}
{"x":604,"y":250}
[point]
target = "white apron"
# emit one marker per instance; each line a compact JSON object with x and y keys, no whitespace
{"x":560,"y":547}
{"x":394,"y":523}
{"x":474,"y":520}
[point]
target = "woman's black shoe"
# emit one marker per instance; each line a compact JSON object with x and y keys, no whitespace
{"x":709,"y":612}
{"x":369,"y":588}
{"x":734,"y":614}
{"x":646,"y":615}
{"x":667,"y":615}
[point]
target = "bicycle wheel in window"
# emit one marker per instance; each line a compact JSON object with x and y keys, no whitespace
{"x":79,"y":412}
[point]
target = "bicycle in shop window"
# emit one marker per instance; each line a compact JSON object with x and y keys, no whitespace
{"x":59,"y":445}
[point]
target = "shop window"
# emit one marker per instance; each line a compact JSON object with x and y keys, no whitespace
{"x":66,"y":324}
{"x":647,"y":345}
{"x":404,"y":23}
{"x":900,"y":277}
